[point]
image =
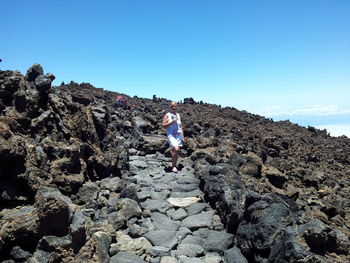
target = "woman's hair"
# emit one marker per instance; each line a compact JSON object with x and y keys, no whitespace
{"x":173,"y":103}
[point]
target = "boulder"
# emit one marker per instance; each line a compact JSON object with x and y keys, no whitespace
{"x":263,"y":220}
{"x":53,"y":207}
{"x":53,"y":243}
{"x":96,"y":249}
{"x":251,"y":168}
{"x":290,"y":247}
{"x":17,"y":253}
{"x":227,"y":198}
{"x":163,"y":238}
{"x":196,"y":208}
{"x":214,"y":241}
{"x":33,"y":72}
{"x":113,"y":184}
{"x":321,"y":239}
{"x":12,"y":156}
{"x":125,"y":209}
{"x":137,"y":246}
{"x":217,"y":169}
{"x":212,"y":258}
{"x":168,"y":259}
{"x":77,"y":230}
{"x":275,"y":177}
{"x":87,"y":193}
{"x":185,"y":259}
{"x":130,"y":192}
{"x":234,"y":255}
{"x":204,"y":219}
{"x":162,"y":222}
{"x":43,"y":83}
{"x":125,"y":257}
{"x":179,"y":214}
{"x":189,"y":250}
{"x":207,"y":154}
{"x":152,"y":143}
{"x":158,"y":251}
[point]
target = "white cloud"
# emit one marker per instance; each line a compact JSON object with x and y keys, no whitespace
{"x":318,"y":110}
{"x":336,"y":129}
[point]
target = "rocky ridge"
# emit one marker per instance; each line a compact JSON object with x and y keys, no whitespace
{"x":83,"y":181}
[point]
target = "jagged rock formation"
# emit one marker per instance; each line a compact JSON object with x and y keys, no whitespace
{"x":82,"y":181}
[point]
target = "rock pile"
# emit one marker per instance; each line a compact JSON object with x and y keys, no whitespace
{"x":81,"y":181}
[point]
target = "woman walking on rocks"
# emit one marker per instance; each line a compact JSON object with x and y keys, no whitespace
{"x":174,"y":131}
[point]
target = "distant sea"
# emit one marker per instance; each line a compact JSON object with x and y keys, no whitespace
{"x":336,"y":129}
{"x":336,"y":125}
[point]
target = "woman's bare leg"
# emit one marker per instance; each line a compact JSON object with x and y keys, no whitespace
{"x":174,"y":155}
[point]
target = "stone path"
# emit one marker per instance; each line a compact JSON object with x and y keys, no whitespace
{"x":176,"y":224}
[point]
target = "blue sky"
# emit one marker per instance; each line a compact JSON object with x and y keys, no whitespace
{"x":282,"y":59}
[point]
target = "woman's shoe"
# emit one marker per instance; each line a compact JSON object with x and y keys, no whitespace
{"x":174,"y":170}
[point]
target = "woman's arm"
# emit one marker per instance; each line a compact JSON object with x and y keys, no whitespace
{"x":183,"y":134}
{"x":167,"y":121}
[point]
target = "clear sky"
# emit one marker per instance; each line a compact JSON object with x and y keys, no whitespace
{"x":276,"y":58}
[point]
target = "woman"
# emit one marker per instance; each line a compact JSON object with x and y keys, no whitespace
{"x":174,"y":131}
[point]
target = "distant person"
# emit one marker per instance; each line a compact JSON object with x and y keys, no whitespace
{"x":174,"y":131}
{"x":120,"y":102}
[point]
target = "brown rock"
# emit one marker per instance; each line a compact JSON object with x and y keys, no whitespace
{"x":53,"y":207}
{"x":19,"y":225}
{"x":275,"y":177}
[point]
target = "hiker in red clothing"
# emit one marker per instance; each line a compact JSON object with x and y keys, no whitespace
{"x":120,"y":102}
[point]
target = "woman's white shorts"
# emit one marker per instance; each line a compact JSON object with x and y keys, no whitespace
{"x":175,"y":140}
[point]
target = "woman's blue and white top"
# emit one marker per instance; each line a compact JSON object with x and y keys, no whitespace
{"x":175,"y":127}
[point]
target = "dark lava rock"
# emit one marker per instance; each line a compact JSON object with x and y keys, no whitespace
{"x":77,"y":230}
{"x":19,"y":226}
{"x":275,"y":177}
{"x":53,"y":207}
{"x":130,"y":192}
{"x":34,"y":71}
{"x":87,"y":193}
{"x":19,"y":254}
{"x":53,"y":243}
{"x":217,"y":169}
{"x":216,"y":241}
{"x":126,"y":257}
{"x":264,"y":220}
{"x":234,"y":255}
{"x":227,"y":197}
{"x":290,"y":248}
{"x":321,"y":239}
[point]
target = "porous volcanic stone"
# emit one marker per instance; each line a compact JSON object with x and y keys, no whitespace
{"x":134,"y":245}
{"x":125,"y":257}
{"x":158,"y":251}
{"x":162,"y":222}
{"x":163,"y":238}
{"x":234,"y":255}
{"x":189,"y":260}
{"x":203,"y":219}
{"x":168,"y":259}
{"x":53,"y":207}
{"x":189,"y":250}
{"x":211,"y":240}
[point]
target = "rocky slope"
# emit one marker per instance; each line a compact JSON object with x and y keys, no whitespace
{"x":82,"y":181}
